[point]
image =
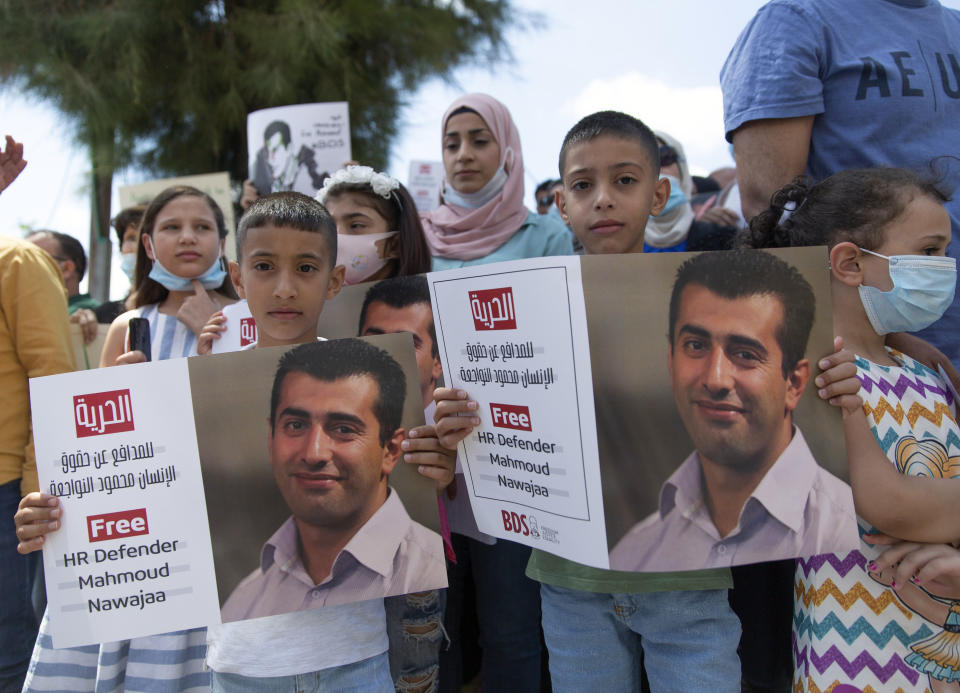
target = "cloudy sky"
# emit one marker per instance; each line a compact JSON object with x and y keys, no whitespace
{"x":659,"y":61}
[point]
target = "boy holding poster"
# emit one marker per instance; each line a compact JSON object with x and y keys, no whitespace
{"x":286,"y":250}
{"x":681,"y":622}
{"x":286,"y":244}
{"x":609,"y":165}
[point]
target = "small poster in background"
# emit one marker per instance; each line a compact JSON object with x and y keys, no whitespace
{"x":531,"y":467}
{"x":296,"y":147}
{"x":425,"y":183}
{"x":216,"y":185}
{"x":241,"y":329}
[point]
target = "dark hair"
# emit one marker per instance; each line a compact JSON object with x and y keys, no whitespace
{"x":735,"y":274}
{"x":70,"y":248}
{"x":343,"y":358}
{"x":400,"y":292}
{"x":854,"y":205}
{"x":275,"y":127}
{"x":126,"y":217}
{"x":291,"y":210}
{"x":400,"y":213}
{"x":146,"y":290}
{"x":462,"y":109}
{"x":613,"y":124}
{"x":544,"y":186}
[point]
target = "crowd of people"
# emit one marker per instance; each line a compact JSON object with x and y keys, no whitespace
{"x":844,"y":136}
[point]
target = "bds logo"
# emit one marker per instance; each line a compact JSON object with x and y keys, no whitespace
{"x":515,"y":416}
{"x":525,"y":525}
{"x":119,"y":525}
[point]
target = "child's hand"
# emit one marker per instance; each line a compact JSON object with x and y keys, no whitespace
{"x":452,"y":425}
{"x":38,"y":514}
{"x":934,"y":567}
{"x":215,"y":325}
{"x":838,"y":382}
{"x":423,"y":448}
{"x":128,"y":357}
{"x":197,"y":309}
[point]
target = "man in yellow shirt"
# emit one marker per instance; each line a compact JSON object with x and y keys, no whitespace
{"x":34,"y":341}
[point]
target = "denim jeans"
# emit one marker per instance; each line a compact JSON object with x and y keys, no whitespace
{"x":688,"y":640}
{"x":18,"y":621}
{"x":508,"y":616}
{"x":366,"y":676}
{"x":415,"y":631}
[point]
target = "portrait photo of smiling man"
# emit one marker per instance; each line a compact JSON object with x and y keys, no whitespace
{"x":335,"y":433}
{"x":751,"y":490}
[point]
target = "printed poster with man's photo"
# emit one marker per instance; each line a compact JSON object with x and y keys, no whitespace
{"x":296,"y":147}
{"x":402,"y":304}
{"x":709,"y":444}
{"x":260,"y":482}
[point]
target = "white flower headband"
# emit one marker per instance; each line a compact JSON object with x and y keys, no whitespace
{"x":380,"y":183}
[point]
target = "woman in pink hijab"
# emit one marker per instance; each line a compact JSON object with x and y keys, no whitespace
{"x":482,"y":218}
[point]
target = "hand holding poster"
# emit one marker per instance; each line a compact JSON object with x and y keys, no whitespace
{"x":306,"y":448}
{"x":296,"y":147}
{"x":240,"y":332}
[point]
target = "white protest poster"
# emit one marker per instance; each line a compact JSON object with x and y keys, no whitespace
{"x":424,"y":184}
{"x":216,"y":185}
{"x":514,"y":336}
{"x":241,"y":329}
{"x":294,"y":147}
{"x":118,"y":446}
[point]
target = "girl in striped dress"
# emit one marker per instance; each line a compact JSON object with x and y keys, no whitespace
{"x":180,"y":279}
{"x":856,"y":625}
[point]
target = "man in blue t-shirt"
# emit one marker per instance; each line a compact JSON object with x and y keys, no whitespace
{"x":819,"y":86}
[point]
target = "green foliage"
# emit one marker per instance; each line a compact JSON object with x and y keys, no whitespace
{"x":167,"y":84}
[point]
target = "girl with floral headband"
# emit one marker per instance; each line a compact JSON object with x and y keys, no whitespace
{"x":378,"y":229}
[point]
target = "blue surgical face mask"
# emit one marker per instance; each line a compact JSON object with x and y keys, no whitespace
{"x":677,"y":196}
{"x":128,"y":263}
{"x":923,"y":287}
{"x":211,"y":279}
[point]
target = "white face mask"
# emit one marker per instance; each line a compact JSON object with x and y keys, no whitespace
{"x":360,"y":255}
{"x":476,"y":200}
{"x":923,"y":288}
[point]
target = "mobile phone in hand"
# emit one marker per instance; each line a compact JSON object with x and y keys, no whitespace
{"x":139,"y":329}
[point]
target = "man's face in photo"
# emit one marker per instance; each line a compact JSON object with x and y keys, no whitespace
{"x":417,"y":319}
{"x":726,"y":373}
{"x":278,"y":154}
{"x":326,"y":453}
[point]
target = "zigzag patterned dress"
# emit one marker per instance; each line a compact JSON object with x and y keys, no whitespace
{"x":849,"y":628}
